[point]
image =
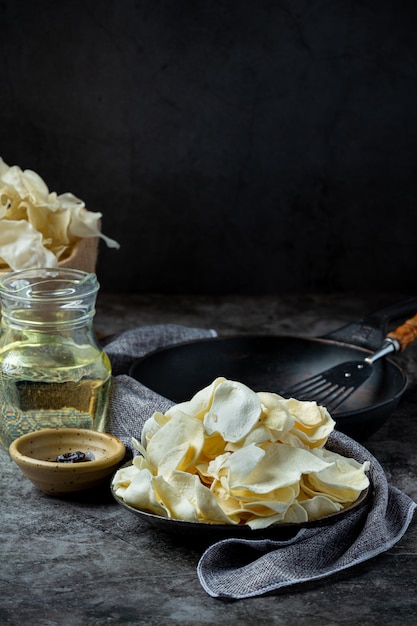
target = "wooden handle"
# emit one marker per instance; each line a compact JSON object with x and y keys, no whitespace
{"x":406,"y":333}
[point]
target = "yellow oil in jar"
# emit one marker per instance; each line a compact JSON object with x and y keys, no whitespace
{"x":52,"y":384}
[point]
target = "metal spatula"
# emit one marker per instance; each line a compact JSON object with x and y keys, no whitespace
{"x":333,"y":386}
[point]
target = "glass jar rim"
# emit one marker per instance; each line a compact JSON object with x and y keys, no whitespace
{"x":42,"y":284}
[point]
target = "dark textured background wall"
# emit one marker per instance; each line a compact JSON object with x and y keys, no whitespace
{"x":238,"y":146}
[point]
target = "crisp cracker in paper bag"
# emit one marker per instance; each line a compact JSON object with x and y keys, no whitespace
{"x":38,"y":228}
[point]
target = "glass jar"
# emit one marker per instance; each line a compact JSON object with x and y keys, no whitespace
{"x":53,"y":373}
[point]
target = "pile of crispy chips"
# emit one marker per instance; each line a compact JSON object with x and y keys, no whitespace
{"x":234,"y":456}
{"x":38,"y":227}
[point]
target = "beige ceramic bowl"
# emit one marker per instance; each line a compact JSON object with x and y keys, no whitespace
{"x":35,"y":454}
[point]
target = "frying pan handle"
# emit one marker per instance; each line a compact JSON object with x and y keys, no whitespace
{"x":371,"y":331}
{"x":406,"y":333}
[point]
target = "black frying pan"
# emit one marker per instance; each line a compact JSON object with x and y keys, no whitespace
{"x":272,"y":363}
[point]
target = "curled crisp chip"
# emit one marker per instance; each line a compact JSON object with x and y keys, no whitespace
{"x":151,"y":426}
{"x":280,"y":466}
{"x":274,"y":423}
{"x":233,"y":456}
{"x":319,"y":506}
{"x":312,"y":424}
{"x":141,"y":489}
{"x":38,"y":228}
{"x":21,"y":246}
{"x":234,"y":411}
{"x":177,"y":445}
{"x":186,"y":498}
{"x":200,"y":403}
{"x":342,"y":481}
{"x":123,"y":479}
{"x":177,"y":496}
{"x":276,"y":416}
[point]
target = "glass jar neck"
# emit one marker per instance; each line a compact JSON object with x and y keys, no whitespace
{"x":53,"y":300}
{"x":50,"y":327}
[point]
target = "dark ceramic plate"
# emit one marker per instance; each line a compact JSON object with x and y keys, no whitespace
{"x":205,"y":530}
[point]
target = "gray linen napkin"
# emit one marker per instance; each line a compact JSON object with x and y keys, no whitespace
{"x":131,"y":403}
{"x":243,"y":568}
{"x":238,"y":568}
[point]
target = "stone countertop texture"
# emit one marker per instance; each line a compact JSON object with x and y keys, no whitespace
{"x":88,"y":561}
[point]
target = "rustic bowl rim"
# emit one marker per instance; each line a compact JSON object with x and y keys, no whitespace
{"x":115,"y":454}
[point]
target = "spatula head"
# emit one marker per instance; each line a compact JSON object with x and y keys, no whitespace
{"x":332,"y":387}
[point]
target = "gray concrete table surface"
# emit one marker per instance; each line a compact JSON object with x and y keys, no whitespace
{"x":89,"y":561}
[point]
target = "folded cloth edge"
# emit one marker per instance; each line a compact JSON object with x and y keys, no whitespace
{"x":253,"y":563}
